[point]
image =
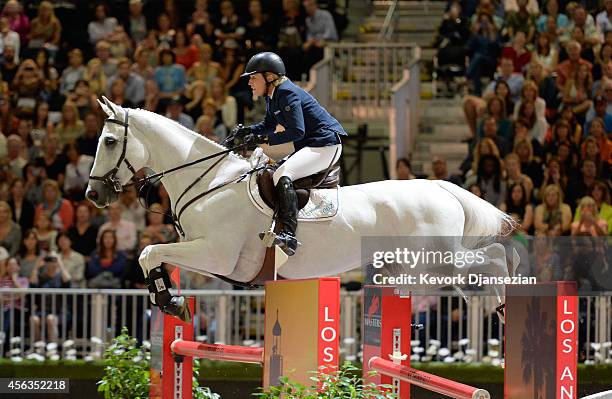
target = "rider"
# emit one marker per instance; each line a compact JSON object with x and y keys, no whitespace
{"x":292,"y":115}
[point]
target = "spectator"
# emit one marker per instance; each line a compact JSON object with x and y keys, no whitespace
{"x":60,"y":210}
{"x":567,"y":114}
{"x":517,"y":205}
{"x":77,"y":172}
{"x":512,"y":6}
{"x":552,"y":212}
{"x":109,"y":64}
{"x":29,"y":252}
{"x":583,"y":183}
{"x":46,"y":30}
{"x":226,"y":104}
{"x":34,"y":176}
{"x":70,"y":126}
{"x":490,"y":131}
{"x":136,"y":23}
{"x":489,"y":178}
{"x":15,"y":149}
{"x":484,"y":49}
{"x":515,"y":176}
{"x":88,"y":141}
{"x":599,"y":109}
{"x":186,"y":54}
{"x":589,"y":222}
{"x":82,"y":97}
{"x":169,"y":76}
{"x":485,"y":146}
{"x":9,"y":67}
{"x":13,"y":309}
{"x":152,"y":102}
{"x":132,"y":210}
{"x":95,"y":77}
{"x":292,"y":31}
{"x":518,"y":53}
{"x":125,"y":231}
{"x":561,"y":21}
{"x":73,"y":72}
{"x":175,"y":112}
{"x":196,"y":92}
{"x":603,"y":21}
{"x":83,"y":234}
{"x":497,"y":109}
{"x":560,"y":133}
{"x":530,"y":165}
{"x":49,"y":273}
{"x":581,"y":19}
{"x":73,"y":262}
{"x":117,"y":94}
{"x":45,"y":232}
{"x":119,"y":43}
{"x":230,"y":30}
{"x":567,"y":68}
{"x":521,"y":21}
{"x":440,"y":171}
{"x":201,"y":23}
{"x":259,"y":35}
{"x":598,"y":132}
{"x":205,"y":127}
{"x":165,"y":32}
{"x":21,"y":209}
{"x":403,"y":170}
{"x":41,"y":118}
{"x":530,"y":93}
{"x":600,"y":192}
{"x":159,"y":232}
{"x":451,"y":41}
{"x":577,"y":91}
{"x":205,"y":69}
{"x":10,"y":232}
{"x":18,"y":21}
{"x":536,"y":126}
{"x":141,"y":67}
{"x":9,"y":38}
{"x":545,"y":54}
{"x":28,"y":85}
{"x":232,"y":67}
{"x":102,"y":25}
{"x":107,"y":264}
{"x":554,"y":174}
{"x":320,"y":29}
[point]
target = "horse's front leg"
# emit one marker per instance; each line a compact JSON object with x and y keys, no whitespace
{"x":188,"y":253}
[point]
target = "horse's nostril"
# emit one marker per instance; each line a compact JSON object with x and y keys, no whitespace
{"x":92,"y":195}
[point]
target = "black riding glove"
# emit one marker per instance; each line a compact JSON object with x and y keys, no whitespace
{"x":256,"y":139}
{"x":241,"y":131}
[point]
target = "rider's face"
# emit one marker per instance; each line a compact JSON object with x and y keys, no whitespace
{"x":257,"y":84}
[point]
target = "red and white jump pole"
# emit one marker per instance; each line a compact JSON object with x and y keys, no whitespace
{"x":425,"y":380}
{"x":228,"y":353}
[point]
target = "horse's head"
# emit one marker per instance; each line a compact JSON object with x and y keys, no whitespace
{"x":120,"y":154}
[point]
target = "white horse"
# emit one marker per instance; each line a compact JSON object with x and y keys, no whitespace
{"x":221,"y":229}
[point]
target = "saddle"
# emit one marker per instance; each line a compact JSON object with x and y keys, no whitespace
{"x":329,"y":178}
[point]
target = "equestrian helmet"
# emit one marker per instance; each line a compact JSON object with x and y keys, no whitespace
{"x":264,"y":62}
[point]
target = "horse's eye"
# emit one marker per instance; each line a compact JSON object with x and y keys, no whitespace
{"x":110,"y":141}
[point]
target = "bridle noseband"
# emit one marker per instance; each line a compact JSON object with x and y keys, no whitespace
{"x":110,"y":179}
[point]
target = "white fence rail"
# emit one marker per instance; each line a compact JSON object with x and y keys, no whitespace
{"x":237,"y":317}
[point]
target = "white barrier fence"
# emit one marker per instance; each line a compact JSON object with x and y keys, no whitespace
{"x":452,"y":327}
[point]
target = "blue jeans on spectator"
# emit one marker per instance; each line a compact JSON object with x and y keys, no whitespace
{"x":480,"y":65}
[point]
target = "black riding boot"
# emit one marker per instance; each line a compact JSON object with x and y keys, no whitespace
{"x":158,"y":283}
{"x":287,"y":213}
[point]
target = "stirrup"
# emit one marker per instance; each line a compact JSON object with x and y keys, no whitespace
{"x":287,"y":243}
{"x":178,"y":307}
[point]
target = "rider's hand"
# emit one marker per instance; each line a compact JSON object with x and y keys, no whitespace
{"x":256,"y":139}
{"x":241,"y":131}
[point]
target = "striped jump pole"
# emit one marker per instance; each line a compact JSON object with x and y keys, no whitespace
{"x":227,"y":353}
{"x":425,"y":380}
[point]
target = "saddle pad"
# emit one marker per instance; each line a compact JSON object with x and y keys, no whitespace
{"x":322,"y":205}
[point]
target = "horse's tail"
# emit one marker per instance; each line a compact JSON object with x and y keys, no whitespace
{"x":483,"y":221}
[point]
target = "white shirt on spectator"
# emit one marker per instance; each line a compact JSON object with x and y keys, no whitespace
{"x":603,"y":23}
{"x":512,"y":6}
{"x":321,"y":26}
{"x":100,"y":30}
{"x":69,"y":78}
{"x":125,"y":232}
{"x":10,"y":39}
{"x":540,"y":108}
{"x":17,"y":165}
{"x":77,"y":175}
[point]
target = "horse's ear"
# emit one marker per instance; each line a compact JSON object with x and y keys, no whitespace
{"x":108,"y":111}
{"x":115,"y":108}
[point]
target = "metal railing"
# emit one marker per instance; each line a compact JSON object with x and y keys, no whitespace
{"x":452,"y":328}
{"x":386,"y":31}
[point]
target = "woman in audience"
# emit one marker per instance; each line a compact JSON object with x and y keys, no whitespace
{"x":560,"y":132}
{"x":34,"y":177}
{"x":41,"y":118}
{"x":530,"y":165}
{"x":552,"y":212}
{"x":536,"y":125}
{"x":159,"y":232}
{"x":522,"y":131}
{"x":554,"y":174}
{"x":201,"y":24}
{"x":577,"y":92}
{"x":28,"y":87}
{"x":73,"y":261}
{"x":259,"y":34}
{"x":186,"y":54}
{"x":567,"y":114}
{"x":530,"y":93}
{"x":117,"y":94}
{"x":489,"y":178}
{"x":497,"y":109}
{"x":45,"y":232}
{"x":598,"y":132}
{"x":102,"y":25}
{"x":107,"y":263}
{"x":21,"y":208}
{"x":73,"y":72}
{"x":518,"y":206}
{"x":77,"y":172}
{"x":165,"y":32}
{"x":29,"y":252}
{"x":13,"y":309}
{"x":169,"y":76}
{"x":603,"y":58}
{"x":10,"y":232}
{"x":485,"y":146}
{"x":83,"y":234}
{"x":518,"y":53}
{"x":71,"y":126}
{"x":514,"y":175}
{"x":142,"y":67}
{"x":226,"y":104}
{"x":95,"y":77}
{"x":545,"y":53}
{"x":567,"y":156}
{"x":589,"y":222}
{"x":83,"y":98}
{"x":60,"y":210}
{"x":474,"y":107}
{"x":205,"y":69}
{"x":600,"y":192}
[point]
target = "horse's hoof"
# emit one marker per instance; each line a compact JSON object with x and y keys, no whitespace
{"x":178,"y":307}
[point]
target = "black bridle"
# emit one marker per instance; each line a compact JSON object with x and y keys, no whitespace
{"x":110,"y":179}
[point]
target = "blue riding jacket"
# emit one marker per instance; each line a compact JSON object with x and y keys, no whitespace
{"x":306,"y":122}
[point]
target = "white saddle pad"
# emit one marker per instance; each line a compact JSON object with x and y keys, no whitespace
{"x":322,"y":205}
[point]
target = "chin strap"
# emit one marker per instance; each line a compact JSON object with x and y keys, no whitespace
{"x":268,"y":84}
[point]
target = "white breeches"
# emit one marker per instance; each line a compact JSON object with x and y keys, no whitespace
{"x":308,"y":161}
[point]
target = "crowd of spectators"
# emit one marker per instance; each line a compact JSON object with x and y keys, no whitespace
{"x":179,"y":58}
{"x":539,"y":133}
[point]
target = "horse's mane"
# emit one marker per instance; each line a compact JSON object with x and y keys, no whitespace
{"x":148,"y":115}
